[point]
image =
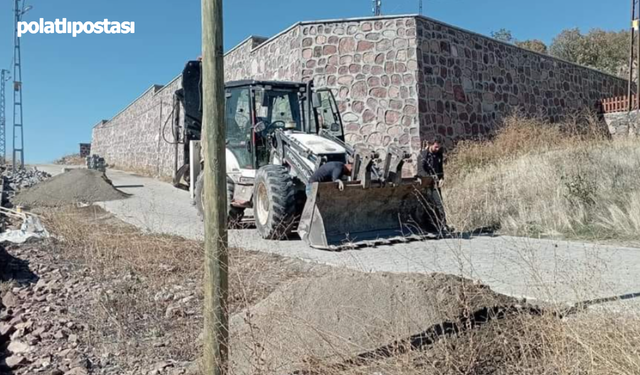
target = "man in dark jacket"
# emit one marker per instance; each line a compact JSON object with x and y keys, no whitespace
{"x":430,"y":164}
{"x":330,"y":172}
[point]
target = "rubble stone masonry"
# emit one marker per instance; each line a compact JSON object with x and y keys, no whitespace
{"x":401,"y":80}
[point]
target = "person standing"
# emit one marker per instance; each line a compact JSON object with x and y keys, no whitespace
{"x":431,"y":164}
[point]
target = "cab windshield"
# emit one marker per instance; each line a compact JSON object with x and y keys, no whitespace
{"x":279,"y":108}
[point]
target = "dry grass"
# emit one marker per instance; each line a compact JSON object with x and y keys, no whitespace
{"x":149,"y":304}
{"x":73,"y":159}
{"x":525,"y":344}
{"x":535,"y":179}
{"x":520,"y":136}
{"x":107,"y":245}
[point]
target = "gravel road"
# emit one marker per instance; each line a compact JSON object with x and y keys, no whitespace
{"x":550,"y":270}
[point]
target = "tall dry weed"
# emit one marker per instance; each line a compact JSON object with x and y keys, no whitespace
{"x":537,"y":179}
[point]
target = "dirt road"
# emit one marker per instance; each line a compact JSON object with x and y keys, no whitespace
{"x":550,"y":270}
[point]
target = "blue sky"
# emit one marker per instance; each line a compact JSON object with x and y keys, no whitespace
{"x":72,"y":83}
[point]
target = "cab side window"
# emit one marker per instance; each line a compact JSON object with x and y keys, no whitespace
{"x":238,"y":121}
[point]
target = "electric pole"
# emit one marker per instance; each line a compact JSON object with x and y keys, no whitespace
{"x":18,"y":140}
{"x":216,"y":287}
{"x":635,"y":14}
{"x":377,"y":8}
{"x":636,"y":25}
{"x":4,"y":77}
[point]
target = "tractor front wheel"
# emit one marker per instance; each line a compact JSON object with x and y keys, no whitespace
{"x":234,"y":214}
{"x":274,"y":202}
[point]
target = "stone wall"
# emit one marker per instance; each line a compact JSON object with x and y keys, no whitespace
{"x":134,"y":139}
{"x":401,"y":80}
{"x":623,"y":124}
{"x":372,"y":67}
{"x":257,"y":58}
{"x":468,"y":83}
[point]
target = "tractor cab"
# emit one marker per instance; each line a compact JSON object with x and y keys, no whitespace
{"x":255,"y":109}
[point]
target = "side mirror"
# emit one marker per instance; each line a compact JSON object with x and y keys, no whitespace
{"x":260,"y":127}
{"x":316,"y":100}
{"x":335,"y":127}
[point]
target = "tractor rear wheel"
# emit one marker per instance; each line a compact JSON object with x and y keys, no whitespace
{"x":274,"y":202}
{"x":234,"y":214}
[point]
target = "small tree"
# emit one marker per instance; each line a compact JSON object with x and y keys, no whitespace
{"x":533,"y":45}
{"x":503,"y":35}
{"x":599,"y":49}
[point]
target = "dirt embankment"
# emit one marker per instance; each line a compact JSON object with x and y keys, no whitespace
{"x":343,"y":315}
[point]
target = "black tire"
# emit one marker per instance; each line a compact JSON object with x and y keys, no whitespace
{"x":274,"y":202}
{"x":234,"y":214}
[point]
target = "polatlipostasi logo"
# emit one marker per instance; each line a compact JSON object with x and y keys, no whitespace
{"x":75,"y":28}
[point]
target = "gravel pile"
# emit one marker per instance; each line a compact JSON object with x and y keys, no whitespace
{"x":16,"y":180}
{"x":43,"y":319}
{"x":75,"y":186}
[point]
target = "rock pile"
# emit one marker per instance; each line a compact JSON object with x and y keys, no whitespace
{"x":16,"y":180}
{"x":42,"y":338}
{"x":44,"y":325}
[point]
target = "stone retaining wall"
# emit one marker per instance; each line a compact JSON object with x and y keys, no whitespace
{"x":468,"y":83}
{"x":401,"y":80}
{"x":135,"y":138}
{"x":623,"y":124}
{"x":372,"y":67}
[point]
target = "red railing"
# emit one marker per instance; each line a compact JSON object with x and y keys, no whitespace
{"x":619,"y":104}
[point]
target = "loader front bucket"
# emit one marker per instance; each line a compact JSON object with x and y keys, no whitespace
{"x":357,"y":216}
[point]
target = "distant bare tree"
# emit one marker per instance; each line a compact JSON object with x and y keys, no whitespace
{"x":603,"y":50}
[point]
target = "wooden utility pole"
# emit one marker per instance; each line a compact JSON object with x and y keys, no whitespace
{"x":636,"y":27}
{"x":632,"y":38}
{"x":216,"y":330}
